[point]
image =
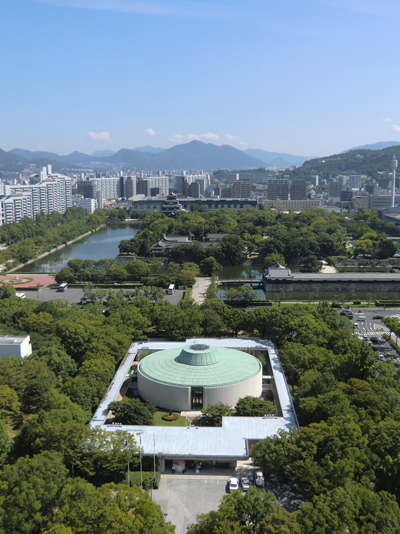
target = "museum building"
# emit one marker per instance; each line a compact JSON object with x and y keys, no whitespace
{"x":197,"y":375}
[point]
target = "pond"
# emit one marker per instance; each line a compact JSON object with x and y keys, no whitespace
{"x":96,"y":246}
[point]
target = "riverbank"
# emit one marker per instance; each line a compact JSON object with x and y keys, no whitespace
{"x":56,"y":249}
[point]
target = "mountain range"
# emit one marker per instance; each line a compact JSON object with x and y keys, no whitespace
{"x":193,"y":155}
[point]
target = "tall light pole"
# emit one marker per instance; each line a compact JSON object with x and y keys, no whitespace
{"x":394,"y":167}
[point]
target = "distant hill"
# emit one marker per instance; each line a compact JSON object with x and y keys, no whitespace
{"x":276,"y":159}
{"x":149,"y":148}
{"x":375,"y":146}
{"x":74,"y":157}
{"x":102,"y":153}
{"x":358,"y":161}
{"x":193,"y":155}
{"x":11,"y":162}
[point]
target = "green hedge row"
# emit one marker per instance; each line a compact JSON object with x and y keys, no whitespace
{"x":383,"y":303}
{"x":243,"y":304}
{"x":147,"y":478}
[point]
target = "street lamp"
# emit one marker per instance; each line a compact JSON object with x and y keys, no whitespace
{"x":126,"y":443}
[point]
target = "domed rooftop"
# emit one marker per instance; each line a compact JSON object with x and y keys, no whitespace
{"x":199,"y":365}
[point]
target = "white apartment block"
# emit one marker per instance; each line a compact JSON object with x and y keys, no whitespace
{"x":161,"y":182}
{"x":89,"y":204}
{"x":52,"y":194}
{"x":14,"y":207}
{"x":108,"y":186}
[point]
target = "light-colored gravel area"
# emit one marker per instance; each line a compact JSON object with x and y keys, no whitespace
{"x":199,"y":289}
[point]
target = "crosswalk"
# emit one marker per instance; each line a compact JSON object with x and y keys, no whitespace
{"x":371,"y":329}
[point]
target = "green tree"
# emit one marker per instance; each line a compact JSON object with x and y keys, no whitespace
{"x":210,"y":267}
{"x":254,"y":407}
{"x":133,"y":412}
{"x":273,"y":258}
{"x":232,"y":247}
{"x":5,"y":444}
{"x":10,"y":407}
{"x":214,"y":413}
{"x":311,"y":264}
{"x":28,"y":493}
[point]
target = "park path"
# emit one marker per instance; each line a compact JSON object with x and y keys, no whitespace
{"x":199,"y":289}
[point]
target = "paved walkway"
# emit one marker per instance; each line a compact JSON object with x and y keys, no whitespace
{"x":200,"y":289}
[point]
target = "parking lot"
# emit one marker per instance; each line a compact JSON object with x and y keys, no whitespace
{"x":183,"y":497}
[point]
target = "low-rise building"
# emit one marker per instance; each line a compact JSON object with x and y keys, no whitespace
{"x":15,"y":346}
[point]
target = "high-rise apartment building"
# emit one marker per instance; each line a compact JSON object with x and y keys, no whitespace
{"x":144,"y":187}
{"x":130,"y":187}
{"x":298,"y":190}
{"x":334,"y":190}
{"x":109,"y":186}
{"x":278,"y":188}
{"x":52,"y":194}
{"x":240,"y":189}
{"x":87,"y":188}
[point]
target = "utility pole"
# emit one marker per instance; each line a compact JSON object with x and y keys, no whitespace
{"x":394,"y":167}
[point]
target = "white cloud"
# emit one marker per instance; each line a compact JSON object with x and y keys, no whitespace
{"x":178,"y":138}
{"x":211,"y":136}
{"x":387,"y":120}
{"x":99,"y":136}
{"x":150,"y":131}
{"x":242,"y":143}
{"x":395,"y":128}
{"x":230,"y":137}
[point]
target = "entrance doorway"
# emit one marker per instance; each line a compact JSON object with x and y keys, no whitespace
{"x":197,"y":398}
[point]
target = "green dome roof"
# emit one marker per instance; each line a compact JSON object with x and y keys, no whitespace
{"x":199,"y":365}
{"x":199,"y":354}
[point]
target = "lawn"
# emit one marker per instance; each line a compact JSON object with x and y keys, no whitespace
{"x":159,"y":421}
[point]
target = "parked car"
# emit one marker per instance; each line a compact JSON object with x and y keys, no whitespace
{"x":382,"y":357}
{"x":374,"y":339}
{"x":377,"y":317}
{"x":259,"y":479}
{"x":245,"y":483}
{"x":233,"y":484}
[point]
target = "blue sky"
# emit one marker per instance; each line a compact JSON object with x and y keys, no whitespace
{"x":309,"y":77}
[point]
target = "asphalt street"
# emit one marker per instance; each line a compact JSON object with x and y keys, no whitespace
{"x":74,"y":295}
{"x":375,"y":328}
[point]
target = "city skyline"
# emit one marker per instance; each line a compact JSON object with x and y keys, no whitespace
{"x":311,"y":79}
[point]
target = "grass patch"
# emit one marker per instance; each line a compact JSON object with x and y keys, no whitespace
{"x":159,"y":421}
{"x":14,"y":282}
{"x":188,"y":293}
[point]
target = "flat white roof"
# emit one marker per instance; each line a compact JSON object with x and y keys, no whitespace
{"x":231,"y":441}
{"x":12,"y":340}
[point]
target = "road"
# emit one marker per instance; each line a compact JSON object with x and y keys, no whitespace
{"x":375,"y":328}
{"x":74,"y":295}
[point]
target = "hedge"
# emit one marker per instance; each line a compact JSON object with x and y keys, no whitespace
{"x":243,"y":304}
{"x":387,"y":303}
{"x":147,"y":478}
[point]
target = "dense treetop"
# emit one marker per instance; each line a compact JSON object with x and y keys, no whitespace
{"x":313,"y":232}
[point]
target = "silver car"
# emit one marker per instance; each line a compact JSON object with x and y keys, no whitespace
{"x":245,"y":483}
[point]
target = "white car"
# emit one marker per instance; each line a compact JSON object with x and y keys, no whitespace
{"x":382,"y":357}
{"x":259,"y":479}
{"x":233,"y":484}
{"x":356,"y":325}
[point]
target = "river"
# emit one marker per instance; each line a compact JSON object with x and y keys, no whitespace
{"x":96,"y":246}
